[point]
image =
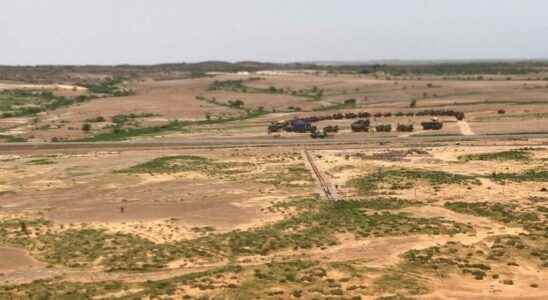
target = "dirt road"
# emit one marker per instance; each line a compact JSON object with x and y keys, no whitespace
{"x":465,"y":128}
{"x":269,"y":142}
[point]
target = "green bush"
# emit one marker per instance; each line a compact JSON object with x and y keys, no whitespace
{"x":534,"y":175}
{"x":413,"y":103}
{"x":406,"y":178}
{"x":507,"y":213}
{"x":498,"y":156}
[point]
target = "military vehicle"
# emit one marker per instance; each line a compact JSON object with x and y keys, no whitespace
{"x":405,"y":128}
{"x":435,"y":124}
{"x":383,"y":128}
{"x":328,"y":129}
{"x":360,"y":126}
{"x":319,"y":134}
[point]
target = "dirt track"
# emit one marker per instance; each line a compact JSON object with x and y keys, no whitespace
{"x":324,"y":184}
{"x":465,"y":128}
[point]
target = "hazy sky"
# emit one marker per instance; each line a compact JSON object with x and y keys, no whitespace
{"x":151,"y":31}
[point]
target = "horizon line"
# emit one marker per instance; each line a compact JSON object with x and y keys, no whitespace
{"x":325,"y":62}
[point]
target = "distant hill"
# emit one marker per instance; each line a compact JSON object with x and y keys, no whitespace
{"x":45,"y":74}
{"x":400,"y":62}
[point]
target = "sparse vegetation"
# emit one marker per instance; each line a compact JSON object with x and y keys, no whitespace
{"x":313,"y":93}
{"x":12,"y":232}
{"x":230,"y":85}
{"x":60,"y":289}
{"x":98,"y":119}
{"x":175,"y":164}
{"x":398,"y":283}
{"x":110,"y":87}
{"x":86,"y":127}
{"x":337,"y":106}
{"x":413,"y":103}
{"x":506,"y":213}
{"x":313,"y":225}
{"x":498,"y":156}
{"x":446,"y":69}
{"x":442,"y":260}
{"x":40,"y":162}
{"x":121,"y":134}
{"x":221,"y":221}
{"x":122,"y":119}
{"x":20,"y":103}
{"x":12,"y":139}
{"x":386,"y":203}
{"x":294,"y":175}
{"x":534,"y":175}
{"x":396,"y":179}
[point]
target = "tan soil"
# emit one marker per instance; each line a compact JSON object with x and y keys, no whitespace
{"x":83,"y":189}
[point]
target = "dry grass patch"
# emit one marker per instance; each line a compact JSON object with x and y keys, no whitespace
{"x":399,"y":179}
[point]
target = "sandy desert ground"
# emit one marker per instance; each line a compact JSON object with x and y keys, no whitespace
{"x":401,"y":220}
{"x":247,"y":223}
{"x":151,"y":109}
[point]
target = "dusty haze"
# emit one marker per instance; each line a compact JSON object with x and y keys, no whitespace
{"x":137,"y":31}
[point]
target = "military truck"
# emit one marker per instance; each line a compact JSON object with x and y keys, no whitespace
{"x":360,"y":126}
{"x":435,"y":124}
{"x":383,"y":128}
{"x":333,"y":129}
{"x":319,"y":134}
{"x":405,"y":128}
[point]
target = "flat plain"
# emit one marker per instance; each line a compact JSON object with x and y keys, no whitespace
{"x":456,"y":213}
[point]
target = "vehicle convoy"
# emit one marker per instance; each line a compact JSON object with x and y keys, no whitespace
{"x":295,"y":125}
{"x":305,"y":125}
